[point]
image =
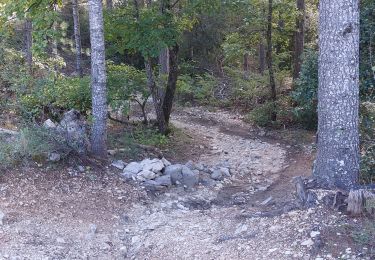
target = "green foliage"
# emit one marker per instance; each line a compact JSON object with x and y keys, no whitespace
{"x":367,"y":127}
{"x":148,"y":34}
{"x":305,"y":92}
{"x":247,"y":92}
{"x":197,"y":89}
{"x":54,"y":95}
{"x":261,"y":115}
{"x":32,"y":143}
{"x":125,"y":84}
{"x":367,"y":50}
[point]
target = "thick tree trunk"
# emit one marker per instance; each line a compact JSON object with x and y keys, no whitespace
{"x":171,"y":84}
{"x":337,"y":163}
{"x":77,"y":37}
{"x":98,"y":79}
{"x":262,"y":57}
{"x":157,"y":97}
{"x":28,"y":30}
{"x":269,"y":59}
{"x":299,"y":39}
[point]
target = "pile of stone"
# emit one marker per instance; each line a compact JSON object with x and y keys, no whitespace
{"x":157,"y":174}
{"x":71,"y":131}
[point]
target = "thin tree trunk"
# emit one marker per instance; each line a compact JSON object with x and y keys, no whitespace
{"x":246,"y":65}
{"x":156,"y":97}
{"x":172,"y":83}
{"x":55,"y":54}
{"x":77,"y":37}
{"x":98,"y":80}
{"x":28,"y":30}
{"x":269,"y":59}
{"x":299,"y":39}
{"x":337,"y":163}
{"x":262,"y":57}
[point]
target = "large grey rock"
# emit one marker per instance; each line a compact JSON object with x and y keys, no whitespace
{"x":54,"y":157}
{"x":119,"y":164}
{"x":164,"y":180}
{"x":154,"y":165}
{"x":189,"y":178}
{"x":205,"y":180}
{"x":225,"y":171}
{"x":73,"y":129}
{"x":166,"y":162}
{"x":217,"y":175}
{"x":133,"y":167}
{"x":129,"y":175}
{"x":175,"y":171}
{"x":49,"y":124}
{"x":146,"y":174}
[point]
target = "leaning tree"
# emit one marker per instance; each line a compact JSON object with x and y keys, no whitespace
{"x":337,"y":163}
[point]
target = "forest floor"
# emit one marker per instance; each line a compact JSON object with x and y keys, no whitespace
{"x":59,"y":212}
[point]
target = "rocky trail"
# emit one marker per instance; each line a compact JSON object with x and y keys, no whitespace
{"x":85,"y":215}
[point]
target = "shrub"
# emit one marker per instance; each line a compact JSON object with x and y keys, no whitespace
{"x":367,"y":120}
{"x":261,"y":115}
{"x":247,"y":92}
{"x":54,"y":95}
{"x":305,"y":92}
{"x":32,"y":143}
{"x":199,"y":88}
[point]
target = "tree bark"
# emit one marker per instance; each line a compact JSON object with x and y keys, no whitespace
{"x":262,"y":57}
{"x":337,"y":163}
{"x":269,"y":59}
{"x":246,"y":65}
{"x":172,"y":83}
{"x":164,"y":62}
{"x":28,"y":30}
{"x":98,"y":79}
{"x":77,"y":37}
{"x":299,"y":39}
{"x":157,"y":97}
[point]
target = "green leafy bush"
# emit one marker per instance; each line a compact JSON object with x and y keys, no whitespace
{"x":32,"y":143}
{"x":262,"y":114}
{"x":197,"y":89}
{"x":55,"y":95}
{"x":305,"y":92}
{"x":247,"y":92}
{"x":367,"y":127}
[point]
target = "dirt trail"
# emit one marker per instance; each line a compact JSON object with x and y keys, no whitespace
{"x":88,"y":216}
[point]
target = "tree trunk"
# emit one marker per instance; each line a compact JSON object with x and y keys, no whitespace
{"x":172,"y":83}
{"x":28,"y":30}
{"x":299,"y":39}
{"x":337,"y":163}
{"x":77,"y":37}
{"x":164,"y":62}
{"x":269,"y":59}
{"x":109,"y":4}
{"x":156,"y":97}
{"x":262,"y":57}
{"x":246,"y":65}
{"x":98,"y":79}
